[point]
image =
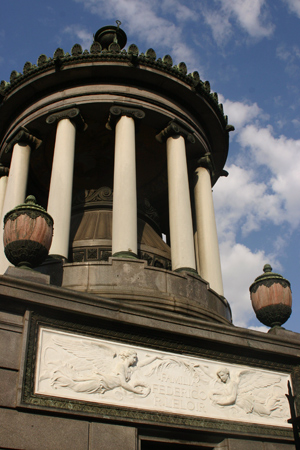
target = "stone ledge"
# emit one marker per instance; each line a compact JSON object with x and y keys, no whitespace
{"x":135,"y":282}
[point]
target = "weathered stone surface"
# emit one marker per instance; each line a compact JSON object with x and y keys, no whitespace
{"x":10,"y":347}
{"x":135,"y":282}
{"x":32,"y":431}
{"x":8,"y":388}
{"x":28,"y":275}
{"x":238,"y":444}
{"x":112,"y":437}
{"x":11,"y":322}
{"x":282,"y":332}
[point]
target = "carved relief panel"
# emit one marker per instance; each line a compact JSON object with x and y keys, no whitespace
{"x":105,"y":372}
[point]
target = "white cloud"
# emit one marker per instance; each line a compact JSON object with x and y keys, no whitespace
{"x":220,"y":25}
{"x":296,"y":123}
{"x":290,"y":55}
{"x":262,"y":329}
{"x":240,"y":267}
{"x":85,"y":38}
{"x":241,"y":113}
{"x":243,"y":203}
{"x":282,"y":157}
{"x":145,"y":20}
{"x":180,"y":11}
{"x":261,"y":190}
{"x":294,"y":6}
{"x":250,"y":15}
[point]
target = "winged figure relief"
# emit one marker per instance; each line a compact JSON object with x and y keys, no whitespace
{"x":91,"y":367}
{"x":253,"y":392}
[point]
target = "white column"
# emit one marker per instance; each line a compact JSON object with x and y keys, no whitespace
{"x":180,"y":215}
{"x":208,"y":246}
{"x":3,"y":185}
{"x":61,"y":186}
{"x":15,"y":189}
{"x":124,"y":227}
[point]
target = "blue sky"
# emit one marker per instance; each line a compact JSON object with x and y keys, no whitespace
{"x":249,"y":50}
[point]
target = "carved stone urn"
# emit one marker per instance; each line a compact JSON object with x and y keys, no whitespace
{"x":271,"y":298}
{"x":27,"y":235}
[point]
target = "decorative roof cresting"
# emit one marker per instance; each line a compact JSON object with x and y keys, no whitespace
{"x":108,"y":46}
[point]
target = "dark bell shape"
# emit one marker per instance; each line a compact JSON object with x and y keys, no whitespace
{"x":271,"y":298}
{"x":111,"y":34}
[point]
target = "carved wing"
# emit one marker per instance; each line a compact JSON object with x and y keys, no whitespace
{"x":250,"y":380}
{"x":204,"y":373}
{"x":98,"y":355}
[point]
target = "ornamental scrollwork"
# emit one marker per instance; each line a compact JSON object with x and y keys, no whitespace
{"x":174,"y":129}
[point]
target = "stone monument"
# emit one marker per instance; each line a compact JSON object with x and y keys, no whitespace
{"x":122,"y":338}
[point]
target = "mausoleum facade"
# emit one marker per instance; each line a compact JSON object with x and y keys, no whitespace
{"x":122,"y":337}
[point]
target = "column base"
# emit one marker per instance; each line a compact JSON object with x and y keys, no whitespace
{"x":56,"y":257}
{"x":187,"y":269}
{"x":125,"y":254}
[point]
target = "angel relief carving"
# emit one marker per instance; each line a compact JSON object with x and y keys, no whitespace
{"x":90,"y":369}
{"x":93,"y":367}
{"x":247,"y":390}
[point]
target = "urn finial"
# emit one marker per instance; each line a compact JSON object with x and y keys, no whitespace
{"x":27,"y":236}
{"x":111,"y":35}
{"x":271,"y":298}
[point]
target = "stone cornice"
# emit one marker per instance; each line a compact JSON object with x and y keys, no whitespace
{"x":115,"y":54}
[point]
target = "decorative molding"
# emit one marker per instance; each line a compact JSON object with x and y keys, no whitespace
{"x":145,"y":208}
{"x":268,"y":282}
{"x":73,"y":114}
{"x":102,"y":195}
{"x":76,"y":50}
{"x":4,"y":171}
{"x":174,"y":129}
{"x":114,"y":54}
{"x":296,"y":387}
{"x":100,"y":253}
{"x":22,"y":136}
{"x":207,"y":162}
{"x":118,"y":110}
{"x":150,"y":54}
{"x":167,"y":60}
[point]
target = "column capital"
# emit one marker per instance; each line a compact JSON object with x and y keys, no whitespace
{"x":73,"y":114}
{"x":4,"y":171}
{"x":22,"y":136}
{"x":174,"y":129}
{"x":116,"y":111}
{"x":206,"y":162}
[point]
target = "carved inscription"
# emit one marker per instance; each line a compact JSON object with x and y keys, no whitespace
{"x":95,"y":370}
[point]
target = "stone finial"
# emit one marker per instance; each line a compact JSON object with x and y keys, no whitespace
{"x":111,"y":35}
{"x":271,"y":298}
